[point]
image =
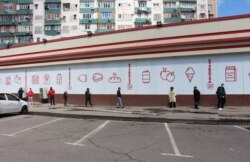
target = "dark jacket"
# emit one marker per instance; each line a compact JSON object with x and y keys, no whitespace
{"x":221,"y":93}
{"x":87,"y":94}
{"x":119,"y":93}
{"x":197,"y":95}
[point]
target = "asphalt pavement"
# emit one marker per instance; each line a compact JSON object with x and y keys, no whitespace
{"x":204,"y":115}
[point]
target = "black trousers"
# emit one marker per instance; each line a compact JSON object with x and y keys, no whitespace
{"x":88,"y":100}
{"x":172,"y":104}
{"x":52,"y":100}
{"x":221,"y":102}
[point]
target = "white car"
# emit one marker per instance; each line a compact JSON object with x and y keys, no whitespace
{"x":10,"y":103}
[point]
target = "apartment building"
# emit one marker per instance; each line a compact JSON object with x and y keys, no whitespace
{"x":23,"y":21}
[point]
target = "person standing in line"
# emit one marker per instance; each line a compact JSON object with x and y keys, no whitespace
{"x":221,"y":95}
{"x":87,"y":98}
{"x":30,"y":97}
{"x":197,"y":97}
{"x":65,"y":98}
{"x":20,"y":93}
{"x":51,"y":94}
{"x":172,"y":98}
{"x":119,"y":103}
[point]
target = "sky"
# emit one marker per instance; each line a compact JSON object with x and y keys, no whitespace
{"x":233,"y":7}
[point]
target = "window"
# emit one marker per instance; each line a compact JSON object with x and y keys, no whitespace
{"x":39,"y":17}
{"x":74,"y":27}
{"x":3,"y":28}
{"x":24,"y":7}
{"x":66,"y":6}
{"x":87,"y":5}
{"x":12,"y":29}
{"x":11,"y":97}
{"x":65,"y":29}
{"x":2,"y":96}
{"x":106,"y":15}
{"x":87,"y":26}
{"x":87,"y":16}
{"x":74,"y":17}
{"x":8,"y":7}
{"x":142,"y":3}
{"x":38,"y":29}
{"x":106,"y":4}
{"x":157,"y":17}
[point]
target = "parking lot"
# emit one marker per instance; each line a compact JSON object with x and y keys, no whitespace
{"x":25,"y":138}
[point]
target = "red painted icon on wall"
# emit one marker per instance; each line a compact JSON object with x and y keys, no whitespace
{"x":46,"y":80}
{"x":82,"y":78}
{"x":35,"y":79}
{"x":114,"y":79}
{"x":129,"y":86}
{"x":59,"y":79}
{"x":230,"y":74}
{"x":97,"y":77}
{"x":210,"y":85}
{"x":8,"y":80}
{"x":146,"y":76}
{"x":167,"y":75}
{"x":190,"y":73}
{"x":18,"y":79}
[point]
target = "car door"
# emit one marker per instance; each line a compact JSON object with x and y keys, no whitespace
{"x":14,"y":103}
{"x":4,"y":105}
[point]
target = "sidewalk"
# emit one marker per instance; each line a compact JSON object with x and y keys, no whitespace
{"x":147,"y":114}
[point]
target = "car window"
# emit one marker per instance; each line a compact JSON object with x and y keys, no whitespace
{"x":2,"y":96}
{"x":11,"y":97}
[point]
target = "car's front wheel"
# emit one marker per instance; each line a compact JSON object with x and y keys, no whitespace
{"x":24,"y":110}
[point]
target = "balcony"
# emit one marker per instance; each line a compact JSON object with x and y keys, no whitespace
{"x":52,"y":22}
{"x":24,"y":23}
{"x":24,"y":12}
{"x":104,"y":30}
{"x":14,"y":12}
{"x":105,"y":10}
{"x":23,"y":33}
{"x":187,"y":10}
{"x":9,"y":22}
{"x":6,"y":34}
{"x":171,"y":20}
{"x":88,"y":21}
{"x":47,"y":10}
{"x":52,"y":32}
{"x":190,"y":1}
{"x":143,"y":20}
{"x":52,"y":1}
{"x":143,"y":10}
{"x":25,"y":1}
{"x":104,"y":21}
{"x":168,"y":10}
{"x":88,"y":10}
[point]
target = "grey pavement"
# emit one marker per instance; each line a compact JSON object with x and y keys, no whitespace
{"x":204,"y":115}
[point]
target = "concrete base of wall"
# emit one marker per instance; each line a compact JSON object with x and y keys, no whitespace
{"x":152,"y":100}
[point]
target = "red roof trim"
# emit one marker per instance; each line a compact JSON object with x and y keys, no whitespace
{"x":138,"y":41}
{"x":129,"y":54}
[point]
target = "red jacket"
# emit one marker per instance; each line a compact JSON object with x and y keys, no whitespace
{"x":51,"y":93}
{"x":30,"y":93}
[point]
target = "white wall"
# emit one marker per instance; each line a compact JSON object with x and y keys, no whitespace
{"x":232,"y":70}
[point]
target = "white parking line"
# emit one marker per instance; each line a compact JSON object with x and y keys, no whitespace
{"x":14,"y":134}
{"x":12,"y":118}
{"x":176,"y":150}
{"x":78,"y":143}
{"x":241,"y":128}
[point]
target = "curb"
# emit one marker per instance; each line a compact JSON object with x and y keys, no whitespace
{"x":229,"y":121}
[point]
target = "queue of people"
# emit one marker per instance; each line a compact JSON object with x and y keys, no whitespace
{"x":220,"y":92}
